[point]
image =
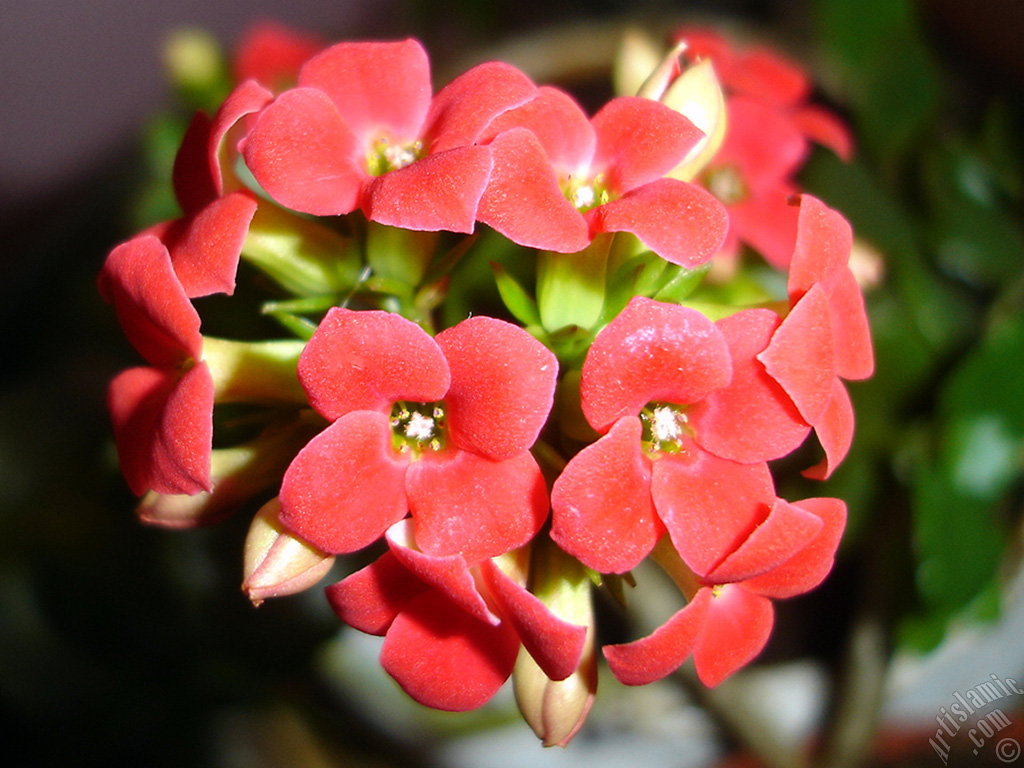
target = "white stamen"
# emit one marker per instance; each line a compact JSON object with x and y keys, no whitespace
{"x":665,"y":424}
{"x":584,"y":197}
{"x":420,"y":427}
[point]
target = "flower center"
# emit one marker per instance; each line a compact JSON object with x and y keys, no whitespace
{"x":386,"y":155}
{"x":665,"y":428}
{"x":418,"y":427}
{"x":726,"y":183}
{"x":584,"y":193}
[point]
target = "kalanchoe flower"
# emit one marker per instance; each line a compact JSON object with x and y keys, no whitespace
{"x":764,"y":75}
{"x":205,"y":242}
{"x":438,"y":427}
{"x":453,"y":627}
{"x":825,"y":337}
{"x":770,"y":128}
{"x":685,"y":411}
{"x":272,"y":55}
{"x":728,"y":617}
{"x":362,"y":130}
{"x":559,"y":179}
{"x":162,"y":413}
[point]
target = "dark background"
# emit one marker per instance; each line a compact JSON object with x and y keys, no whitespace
{"x":121,"y":644}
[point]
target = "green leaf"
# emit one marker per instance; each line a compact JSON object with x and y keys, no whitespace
{"x":516,"y":299}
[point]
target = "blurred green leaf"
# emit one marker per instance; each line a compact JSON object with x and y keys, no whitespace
{"x":888,"y":73}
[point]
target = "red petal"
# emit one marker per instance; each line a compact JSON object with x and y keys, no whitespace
{"x":205,"y":248}
{"x":823,"y":244}
{"x":602,"y":512}
{"x":247,"y":98}
{"x":163,"y":427}
{"x":345,"y":488}
{"x":752,"y":418}
{"x":661,"y":653}
{"x":523,"y":200}
{"x":560,"y":126}
{"x":709,"y":505}
{"x":854,"y":356}
{"x":272,"y":54}
{"x":304,"y":155}
{"x":368,"y":360}
{"x":680,"y":222}
{"x":467,"y":105}
{"x":465,"y":504}
{"x":439,"y":192}
{"x":444,"y":658}
{"x":761,"y":144}
{"x":377,"y":87}
{"x":502,"y":386}
{"x":823,"y":127}
{"x":555,"y":645}
{"x":809,"y":567}
{"x":652,"y":352}
{"x":639,"y":140}
{"x":736,"y":629}
{"x":371,"y":598}
{"x":801,"y":355}
{"x":768,"y":77}
{"x":835,"y":432}
{"x":448,"y":574}
{"x":768,"y":224}
{"x":785,"y":531}
{"x":154,"y":312}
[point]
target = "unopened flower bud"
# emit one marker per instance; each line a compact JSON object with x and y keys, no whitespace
{"x":697,"y":95}
{"x":276,"y":562}
{"x":638,"y":56}
{"x":557,"y":709}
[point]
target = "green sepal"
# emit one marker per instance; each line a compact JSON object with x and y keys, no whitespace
{"x":571,"y":286}
{"x":303,"y":257}
{"x":401,"y":255}
{"x":514,"y":296}
{"x":254,"y":371}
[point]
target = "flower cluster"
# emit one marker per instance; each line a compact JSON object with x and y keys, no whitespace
{"x":496,"y":470}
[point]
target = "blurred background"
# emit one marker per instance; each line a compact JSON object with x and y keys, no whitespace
{"x":122,"y":644}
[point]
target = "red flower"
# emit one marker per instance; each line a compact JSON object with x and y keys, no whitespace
{"x":438,"y":427}
{"x":825,"y":337}
{"x":162,"y":413}
{"x":770,"y":125}
{"x":729,"y":616}
{"x":686,"y":411}
{"x":559,"y":179}
{"x":272,"y":54}
{"x":452,"y":629}
{"x":362,"y":131}
{"x":206,"y":241}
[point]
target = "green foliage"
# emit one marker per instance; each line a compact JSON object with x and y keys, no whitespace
{"x":941,"y":424}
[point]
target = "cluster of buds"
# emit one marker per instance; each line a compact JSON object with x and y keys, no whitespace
{"x":495,"y":470}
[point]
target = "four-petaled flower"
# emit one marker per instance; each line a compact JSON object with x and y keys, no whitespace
{"x":452,"y":626}
{"x":559,"y":179}
{"x":688,"y":419}
{"x":163,"y":412}
{"x":361,"y":130}
{"x":771,"y":125}
{"x":729,"y":616}
{"x":439,"y":427}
